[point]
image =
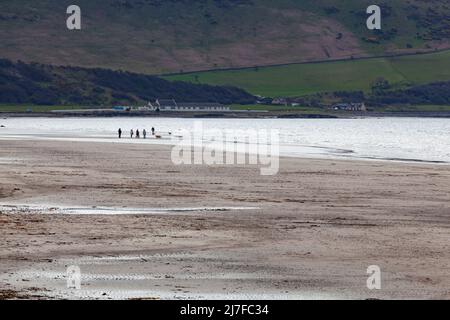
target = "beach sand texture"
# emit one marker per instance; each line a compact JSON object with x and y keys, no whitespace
{"x":309,"y":232}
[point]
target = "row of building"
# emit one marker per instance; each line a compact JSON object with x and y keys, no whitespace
{"x":172,"y":105}
{"x":352,"y":106}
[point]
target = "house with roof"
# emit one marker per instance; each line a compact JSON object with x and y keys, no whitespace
{"x":350,"y":106}
{"x":172,"y":105}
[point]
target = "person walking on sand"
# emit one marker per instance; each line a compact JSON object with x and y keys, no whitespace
{"x":120,"y":133}
{"x":153,"y":131}
{"x":131,"y":133}
{"x":144,"y":133}
{"x":138,"y":135}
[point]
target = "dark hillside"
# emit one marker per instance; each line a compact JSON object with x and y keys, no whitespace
{"x":22,"y":83}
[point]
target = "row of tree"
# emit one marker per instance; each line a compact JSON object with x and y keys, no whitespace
{"x":437,"y":93}
{"x":383,"y":94}
{"x":22,"y":83}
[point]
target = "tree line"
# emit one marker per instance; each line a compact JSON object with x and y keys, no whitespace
{"x":32,"y":83}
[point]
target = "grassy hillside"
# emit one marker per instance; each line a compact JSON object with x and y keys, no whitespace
{"x":302,"y":79}
{"x":155,"y":36}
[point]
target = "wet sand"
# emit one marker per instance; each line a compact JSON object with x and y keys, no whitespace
{"x":140,"y":227}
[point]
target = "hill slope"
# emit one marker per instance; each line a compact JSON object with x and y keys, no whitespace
{"x":37,"y":84}
{"x":303,"y":79}
{"x":163,"y":36}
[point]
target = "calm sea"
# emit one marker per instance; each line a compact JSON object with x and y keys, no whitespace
{"x":407,"y":139}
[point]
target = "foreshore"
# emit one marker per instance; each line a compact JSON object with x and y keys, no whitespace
{"x":168,"y":114}
{"x":140,"y":227}
{"x":228,"y":115}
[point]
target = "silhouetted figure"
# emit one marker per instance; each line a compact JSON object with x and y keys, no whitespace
{"x":138,"y":135}
{"x":131,"y":133}
{"x":144,"y":133}
{"x":153,"y":131}
{"x":120,"y":133}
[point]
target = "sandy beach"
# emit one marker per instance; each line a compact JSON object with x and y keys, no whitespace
{"x":140,"y":227}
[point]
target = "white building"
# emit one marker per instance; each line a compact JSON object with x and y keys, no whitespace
{"x":172,"y":105}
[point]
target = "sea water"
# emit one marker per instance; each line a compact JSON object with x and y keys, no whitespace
{"x":395,"y":139}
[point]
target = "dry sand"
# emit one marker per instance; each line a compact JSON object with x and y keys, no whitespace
{"x":309,"y":232}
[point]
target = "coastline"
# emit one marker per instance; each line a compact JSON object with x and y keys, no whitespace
{"x":168,"y":114}
{"x":228,"y":115}
{"x":309,"y":232}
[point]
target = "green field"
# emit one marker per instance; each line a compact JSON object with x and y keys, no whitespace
{"x":424,"y":108}
{"x":312,"y":110}
{"x":303,"y":79}
{"x":273,"y":108}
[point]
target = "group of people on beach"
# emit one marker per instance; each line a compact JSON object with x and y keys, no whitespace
{"x":136,"y":134}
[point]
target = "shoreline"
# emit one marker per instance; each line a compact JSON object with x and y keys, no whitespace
{"x":164,"y":142}
{"x":227,"y":115}
{"x":310,"y":233}
{"x":168,"y":114}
